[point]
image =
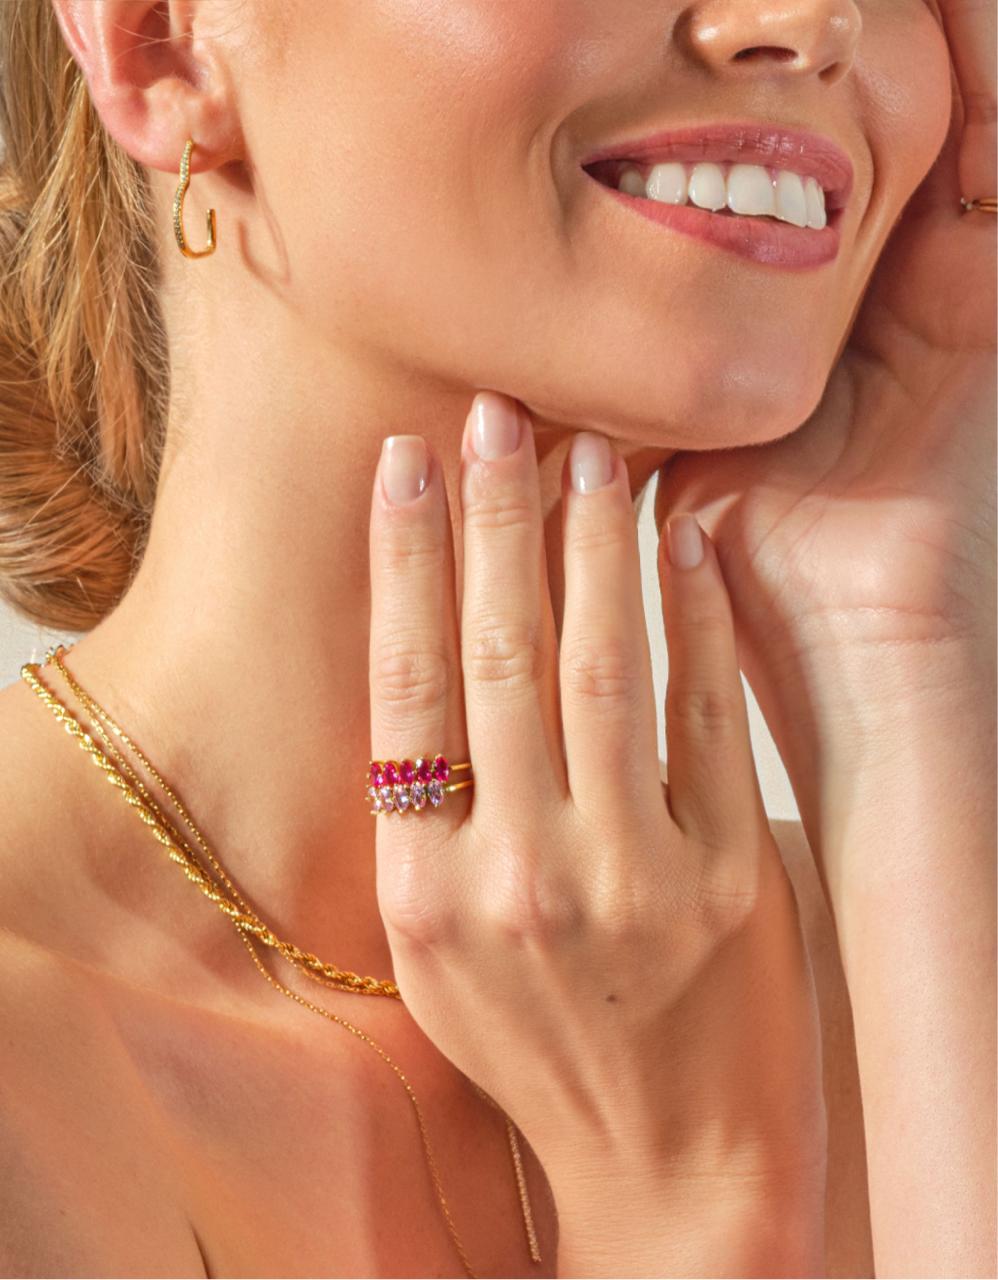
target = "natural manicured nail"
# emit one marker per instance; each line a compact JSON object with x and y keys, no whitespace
{"x":590,"y":461}
{"x":685,"y":541}
{"x":495,"y":425}
{"x":404,"y":467}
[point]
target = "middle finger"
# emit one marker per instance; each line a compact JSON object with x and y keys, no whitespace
{"x":508,"y":636}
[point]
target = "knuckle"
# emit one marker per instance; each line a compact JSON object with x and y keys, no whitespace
{"x":417,"y":921}
{"x":601,"y":670}
{"x":625,"y":907}
{"x":500,"y":507}
{"x":409,"y":547}
{"x":703,"y":627}
{"x":527,"y":907}
{"x":702,"y":711}
{"x":510,"y":653}
{"x":727,"y":893}
{"x":603,"y":531}
{"x":409,"y":676}
{"x":413,"y":907}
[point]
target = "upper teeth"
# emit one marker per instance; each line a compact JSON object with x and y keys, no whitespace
{"x":747,"y":188}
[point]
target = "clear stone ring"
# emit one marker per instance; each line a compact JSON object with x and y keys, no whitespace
{"x":396,"y":786}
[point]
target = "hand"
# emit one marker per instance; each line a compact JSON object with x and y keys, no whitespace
{"x":870,"y":530}
{"x":859,"y":552}
{"x":619,"y":965}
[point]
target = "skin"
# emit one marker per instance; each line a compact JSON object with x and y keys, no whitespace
{"x":860,"y":557}
{"x":356,"y":284}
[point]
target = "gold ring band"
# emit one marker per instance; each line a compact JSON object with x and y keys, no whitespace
{"x":984,"y":204}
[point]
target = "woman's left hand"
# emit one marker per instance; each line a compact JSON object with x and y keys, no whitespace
{"x":870,"y":530}
{"x":859,"y":553}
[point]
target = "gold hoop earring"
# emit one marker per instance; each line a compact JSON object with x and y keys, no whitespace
{"x":178,"y":210}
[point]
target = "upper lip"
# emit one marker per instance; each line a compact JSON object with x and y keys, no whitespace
{"x":747,"y":142}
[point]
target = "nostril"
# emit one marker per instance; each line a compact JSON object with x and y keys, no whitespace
{"x":782,"y":55}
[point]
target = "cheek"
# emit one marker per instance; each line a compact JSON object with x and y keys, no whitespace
{"x":904,"y":79}
{"x":414,"y":121}
{"x":421,"y":218}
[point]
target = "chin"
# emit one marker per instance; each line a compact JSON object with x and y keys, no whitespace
{"x":749,"y":401}
{"x":692,"y":400}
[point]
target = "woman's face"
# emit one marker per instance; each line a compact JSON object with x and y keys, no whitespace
{"x":422,"y":160}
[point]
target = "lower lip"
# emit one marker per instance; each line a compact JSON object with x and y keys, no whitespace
{"x":775,"y":244}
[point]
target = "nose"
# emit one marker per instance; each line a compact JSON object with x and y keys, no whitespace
{"x":774,"y":37}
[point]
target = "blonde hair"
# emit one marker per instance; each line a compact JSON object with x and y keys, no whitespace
{"x":84,"y":370}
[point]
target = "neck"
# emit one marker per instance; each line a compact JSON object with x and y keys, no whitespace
{"x":238,"y":658}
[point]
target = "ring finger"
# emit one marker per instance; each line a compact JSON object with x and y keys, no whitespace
{"x":415,"y":669}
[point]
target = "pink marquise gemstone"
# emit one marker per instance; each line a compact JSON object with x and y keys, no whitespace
{"x":387,"y":798}
{"x":374,"y":795}
{"x":441,"y":769}
{"x":391,"y":772}
{"x":424,"y":769}
{"x":377,"y":776}
{"x":418,"y":793}
{"x":407,"y":771}
{"x":435,"y":793}
{"x":401,"y":798}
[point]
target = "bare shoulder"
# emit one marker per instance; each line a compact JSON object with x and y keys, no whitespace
{"x":82,"y":1191}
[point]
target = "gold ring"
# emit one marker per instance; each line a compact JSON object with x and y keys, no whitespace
{"x":396,"y":786}
{"x":985,"y":204}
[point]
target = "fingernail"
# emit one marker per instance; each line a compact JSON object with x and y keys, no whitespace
{"x":685,"y":541}
{"x":404,"y":467}
{"x":590,"y":461}
{"x":495,"y":426}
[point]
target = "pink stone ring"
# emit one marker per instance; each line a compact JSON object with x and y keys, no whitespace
{"x":396,"y":786}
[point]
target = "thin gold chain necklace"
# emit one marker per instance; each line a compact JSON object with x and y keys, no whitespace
{"x":247,"y":923}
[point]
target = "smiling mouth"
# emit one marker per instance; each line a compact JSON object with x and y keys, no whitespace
{"x":725,"y":188}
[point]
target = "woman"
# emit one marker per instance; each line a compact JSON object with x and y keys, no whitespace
{"x":407,"y":240}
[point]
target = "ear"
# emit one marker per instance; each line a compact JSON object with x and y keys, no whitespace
{"x":156,"y":77}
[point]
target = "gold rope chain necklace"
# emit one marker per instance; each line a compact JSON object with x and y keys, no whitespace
{"x":247,"y":923}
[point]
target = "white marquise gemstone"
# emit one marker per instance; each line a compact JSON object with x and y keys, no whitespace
{"x":374,"y":795}
{"x":707,"y":189}
{"x":435,"y":792}
{"x":750,"y":190}
{"x":418,"y":793}
{"x":387,"y":798}
{"x":401,"y":797}
{"x":667,"y":183}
